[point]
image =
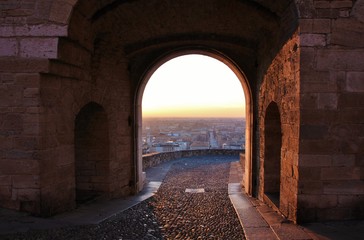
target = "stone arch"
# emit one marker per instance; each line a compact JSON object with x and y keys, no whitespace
{"x":248,"y":105}
{"x":107,"y":60}
{"x":91,"y":152}
{"x":272,"y":154}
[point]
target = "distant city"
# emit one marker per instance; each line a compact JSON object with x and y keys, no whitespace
{"x":175,"y":134}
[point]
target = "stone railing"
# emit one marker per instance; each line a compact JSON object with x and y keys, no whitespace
{"x":153,"y":159}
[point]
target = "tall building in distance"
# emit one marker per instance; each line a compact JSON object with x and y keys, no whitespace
{"x":176,"y":134}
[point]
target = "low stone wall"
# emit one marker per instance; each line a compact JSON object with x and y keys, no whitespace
{"x":153,"y":159}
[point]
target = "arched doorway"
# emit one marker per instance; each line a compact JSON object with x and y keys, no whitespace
{"x":248,"y":110}
{"x":91,"y":152}
{"x":272,"y":154}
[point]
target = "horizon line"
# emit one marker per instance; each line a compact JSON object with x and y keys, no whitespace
{"x":195,"y":117}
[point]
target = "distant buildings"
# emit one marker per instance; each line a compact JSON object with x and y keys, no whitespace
{"x":166,"y":135}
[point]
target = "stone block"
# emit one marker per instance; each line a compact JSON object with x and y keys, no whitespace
{"x":13,"y":122}
{"x":17,"y":167}
{"x":316,"y":116}
{"x":307,"y":160}
{"x":313,"y":131}
{"x":28,"y":195}
{"x":336,"y":60}
{"x":5,"y":192}
{"x":31,"y":128}
{"x":343,"y":160}
{"x":331,"y":13}
{"x":317,"y":201}
{"x":312,"y":40}
{"x":332,"y":214}
{"x":322,"y":4}
{"x":8,"y":47}
{"x":355,"y":82}
{"x":74,"y":54}
{"x":351,"y":101}
{"x":26,"y":143}
{"x":310,"y":187}
{"x":343,"y":187}
{"x":61,"y":11}
{"x":35,"y":110}
{"x":319,"y":147}
{"x":347,"y":32}
{"x":30,"y":80}
{"x":339,"y":77}
{"x":341,"y":4}
{"x":359,"y":162}
{"x":7,"y":78}
{"x":350,"y":200}
{"x":327,"y":101}
{"x":307,"y":58}
{"x":5,"y":180}
{"x":309,"y":101}
{"x":38,"y":30}
{"x":23,"y":65}
{"x":340,"y":173}
{"x":10,"y":96}
{"x":31,"y":92}
{"x":26,"y":181}
{"x":306,"y":9}
{"x":6,"y":143}
{"x":67,"y":156}
{"x":321,"y":26}
{"x":309,"y":85}
{"x":39,"y":47}
{"x":305,"y":25}
{"x":309,"y":174}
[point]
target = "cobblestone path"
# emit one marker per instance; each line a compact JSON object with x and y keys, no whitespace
{"x":203,"y":212}
{"x":206,"y":211}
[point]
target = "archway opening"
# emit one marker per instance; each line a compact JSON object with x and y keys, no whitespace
{"x":223,"y":111}
{"x":91,"y":153}
{"x":272,"y":154}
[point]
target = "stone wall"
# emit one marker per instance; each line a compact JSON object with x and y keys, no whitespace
{"x":154,"y":159}
{"x":51,"y":66}
{"x":25,"y":46}
{"x":331,"y":161}
{"x":58,"y":56}
{"x":85,"y":72}
{"x":281,"y":86}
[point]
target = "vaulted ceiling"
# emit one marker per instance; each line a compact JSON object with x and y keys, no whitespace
{"x":247,"y":28}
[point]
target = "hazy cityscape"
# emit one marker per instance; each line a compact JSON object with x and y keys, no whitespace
{"x":175,"y":134}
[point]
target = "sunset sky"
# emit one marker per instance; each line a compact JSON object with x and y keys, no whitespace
{"x":193,"y":86}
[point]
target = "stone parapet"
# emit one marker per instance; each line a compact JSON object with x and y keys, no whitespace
{"x":153,"y":159}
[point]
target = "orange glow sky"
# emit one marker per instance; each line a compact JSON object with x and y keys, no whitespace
{"x":193,"y":86}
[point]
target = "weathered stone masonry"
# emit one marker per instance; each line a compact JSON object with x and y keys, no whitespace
{"x":70,"y":72}
{"x":331,"y":133}
{"x":281,"y":87}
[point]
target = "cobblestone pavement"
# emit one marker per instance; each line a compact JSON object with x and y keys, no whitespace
{"x":204,"y":211}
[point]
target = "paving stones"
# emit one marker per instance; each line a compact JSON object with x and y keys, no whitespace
{"x":172,"y":213}
{"x":202,"y":215}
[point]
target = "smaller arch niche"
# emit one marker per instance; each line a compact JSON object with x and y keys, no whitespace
{"x":91,"y":152}
{"x":272,"y":153}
